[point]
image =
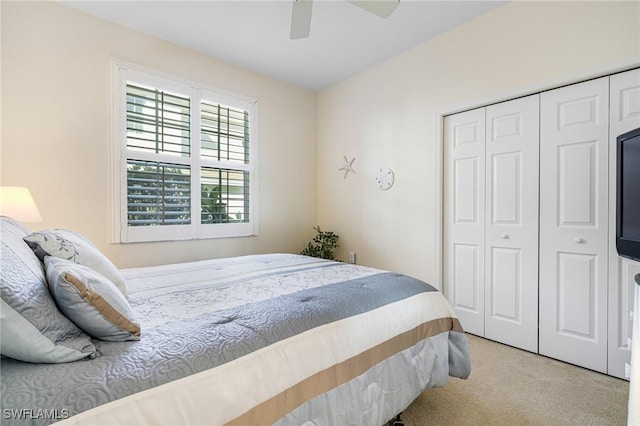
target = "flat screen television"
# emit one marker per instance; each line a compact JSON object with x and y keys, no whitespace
{"x":628,"y":195}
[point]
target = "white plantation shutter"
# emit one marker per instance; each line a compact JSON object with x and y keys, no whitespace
{"x":224,"y":137}
{"x":224,"y":133}
{"x":225,"y":195}
{"x":158,"y":193}
{"x":185,"y":160}
{"x":158,"y":121}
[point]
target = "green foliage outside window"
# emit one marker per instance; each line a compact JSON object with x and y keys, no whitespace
{"x":213,"y":209}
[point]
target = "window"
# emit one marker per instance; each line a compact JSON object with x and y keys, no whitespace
{"x":184,"y":159}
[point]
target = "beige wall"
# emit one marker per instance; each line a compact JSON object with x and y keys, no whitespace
{"x":56,"y":123}
{"x":391,"y":114}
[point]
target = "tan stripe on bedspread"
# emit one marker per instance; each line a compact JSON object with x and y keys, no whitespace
{"x":279,"y":405}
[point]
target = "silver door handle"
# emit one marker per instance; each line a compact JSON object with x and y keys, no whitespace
{"x":504,"y":236}
{"x":579,"y":240}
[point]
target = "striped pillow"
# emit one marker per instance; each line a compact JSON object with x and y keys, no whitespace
{"x":91,"y":300}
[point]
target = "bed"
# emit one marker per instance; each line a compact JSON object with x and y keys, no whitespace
{"x":259,"y":339}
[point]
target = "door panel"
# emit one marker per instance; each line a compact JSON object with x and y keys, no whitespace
{"x":577,"y":192}
{"x":577,"y":295}
{"x":624,"y":116}
{"x":579,"y":112}
{"x":506,"y":284}
{"x":506,"y":188}
{"x":465,"y":188}
{"x":511,"y":227}
{"x":574,"y":144}
{"x":464,"y":217}
{"x":465,"y":278}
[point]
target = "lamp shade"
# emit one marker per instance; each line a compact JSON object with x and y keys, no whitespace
{"x":17,"y":203}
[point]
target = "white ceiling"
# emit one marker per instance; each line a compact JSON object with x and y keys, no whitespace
{"x":344,"y":39}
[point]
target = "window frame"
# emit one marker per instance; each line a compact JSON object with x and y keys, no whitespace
{"x":123,"y":72}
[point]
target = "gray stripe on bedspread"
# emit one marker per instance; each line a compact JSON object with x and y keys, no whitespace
{"x":182,"y":348}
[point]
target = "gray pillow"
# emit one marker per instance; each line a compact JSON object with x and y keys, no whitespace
{"x":74,"y":247}
{"x":90,"y":300}
{"x":31,"y":326}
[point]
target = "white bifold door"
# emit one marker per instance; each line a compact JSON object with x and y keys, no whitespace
{"x":529,"y":222}
{"x":464,"y":149}
{"x":491,"y":220}
{"x":511,"y":223}
{"x":574,"y":223}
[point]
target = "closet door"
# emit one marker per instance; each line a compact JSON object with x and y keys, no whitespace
{"x":511,"y":223}
{"x":574,"y":223}
{"x":624,"y":116}
{"x":464,"y":147}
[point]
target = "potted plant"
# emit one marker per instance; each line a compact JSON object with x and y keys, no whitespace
{"x":322,"y":245}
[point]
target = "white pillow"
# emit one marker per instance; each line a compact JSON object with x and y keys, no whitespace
{"x":71,"y":246}
{"x":31,"y":326}
{"x":91,"y":301}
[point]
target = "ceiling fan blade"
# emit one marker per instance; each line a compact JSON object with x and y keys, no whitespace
{"x":382,"y":8}
{"x":301,"y":18}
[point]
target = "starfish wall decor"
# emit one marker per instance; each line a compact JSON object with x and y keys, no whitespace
{"x":347,"y":166}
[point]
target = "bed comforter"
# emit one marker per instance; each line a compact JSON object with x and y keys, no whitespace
{"x":265,"y":339}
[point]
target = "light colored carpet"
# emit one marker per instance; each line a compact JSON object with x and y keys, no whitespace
{"x":509,"y":386}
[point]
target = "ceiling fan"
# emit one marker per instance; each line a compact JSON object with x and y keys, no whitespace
{"x":301,"y":13}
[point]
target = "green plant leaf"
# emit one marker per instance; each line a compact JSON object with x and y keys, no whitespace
{"x":322,"y":245}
